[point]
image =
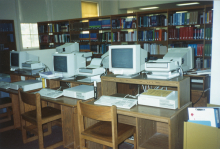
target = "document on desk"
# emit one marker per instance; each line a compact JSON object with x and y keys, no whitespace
{"x":119,"y":102}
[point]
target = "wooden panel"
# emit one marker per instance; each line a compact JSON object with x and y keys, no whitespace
{"x":54,"y":105}
{"x":199,"y":99}
{"x":4,"y":60}
{"x":127,"y":120}
{"x":146,"y":129}
{"x":99,"y":90}
{"x":162,"y":128}
{"x":53,"y":83}
{"x":16,"y":110}
{"x":176,"y":128}
{"x":70,"y":127}
{"x":184,"y":92}
{"x":131,"y":89}
{"x":108,"y":88}
{"x":15,"y":78}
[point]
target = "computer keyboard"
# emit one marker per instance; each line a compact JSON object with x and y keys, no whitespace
{"x":50,"y":93}
{"x":119,"y":102}
{"x":4,"y":85}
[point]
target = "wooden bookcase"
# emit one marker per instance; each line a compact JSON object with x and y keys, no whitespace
{"x":7,"y":43}
{"x":159,"y":33}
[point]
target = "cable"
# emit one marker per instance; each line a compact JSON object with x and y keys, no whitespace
{"x":46,"y":67}
{"x":59,"y":88}
{"x":68,"y":84}
{"x":198,"y":99}
{"x":131,"y":96}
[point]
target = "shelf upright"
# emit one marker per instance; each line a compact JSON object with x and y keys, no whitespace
{"x":7,"y":43}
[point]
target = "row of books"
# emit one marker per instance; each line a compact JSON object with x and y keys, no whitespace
{"x":123,"y":23}
{"x":154,"y":49}
{"x":208,"y":50}
{"x":84,"y":37}
{"x":100,"y":37}
{"x":62,"y":38}
{"x":208,"y":33}
{"x":84,"y":47}
{"x":151,"y":21}
{"x":207,"y":63}
{"x":77,"y":26}
{"x":100,"y":49}
{"x":124,"y":36}
{"x":6,"y":27}
{"x":103,"y":24}
{"x":198,"y":49}
{"x":199,"y":63}
{"x":2,"y":47}
{"x":10,"y":37}
{"x":186,"y":33}
{"x":188,"y":18}
{"x":152,"y":35}
{"x":52,"y":28}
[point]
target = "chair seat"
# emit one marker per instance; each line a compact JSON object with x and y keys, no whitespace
{"x":5,"y":100}
{"x":103,"y":131}
{"x":46,"y":112}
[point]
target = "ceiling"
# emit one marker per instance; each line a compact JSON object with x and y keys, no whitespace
{"x":168,"y":5}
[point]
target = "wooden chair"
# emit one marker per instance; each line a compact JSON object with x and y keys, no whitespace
{"x":107,"y":131}
{"x":36,"y":117}
{"x":5,"y":102}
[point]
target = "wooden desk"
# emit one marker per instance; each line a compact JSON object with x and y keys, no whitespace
{"x":68,"y":112}
{"x":69,"y":120}
{"x":157,"y":128}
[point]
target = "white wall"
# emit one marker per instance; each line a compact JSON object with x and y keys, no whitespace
{"x":123,"y":4}
{"x":45,"y":56}
{"x":215,"y":72}
{"x":33,"y":11}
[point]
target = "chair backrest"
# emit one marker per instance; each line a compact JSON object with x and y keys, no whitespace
{"x":101,"y":113}
{"x":30,"y":99}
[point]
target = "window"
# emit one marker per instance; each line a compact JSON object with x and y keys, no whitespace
{"x":89,"y":9}
{"x":29,"y":33}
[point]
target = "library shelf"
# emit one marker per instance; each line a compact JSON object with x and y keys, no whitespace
{"x":136,"y":25}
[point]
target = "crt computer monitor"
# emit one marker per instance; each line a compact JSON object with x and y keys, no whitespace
{"x":184,"y":56}
{"x":126,"y":59}
{"x":17,"y":58}
{"x":67,"y":64}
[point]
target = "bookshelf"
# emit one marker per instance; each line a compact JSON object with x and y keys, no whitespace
{"x":7,"y":43}
{"x":155,"y":31}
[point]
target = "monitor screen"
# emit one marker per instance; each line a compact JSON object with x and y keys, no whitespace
{"x":60,"y":63}
{"x":15,"y":59}
{"x":122,"y":58}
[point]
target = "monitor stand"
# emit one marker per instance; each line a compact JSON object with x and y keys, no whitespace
{"x":128,"y":76}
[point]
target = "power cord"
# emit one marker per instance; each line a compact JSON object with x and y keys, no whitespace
{"x":198,"y":99}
